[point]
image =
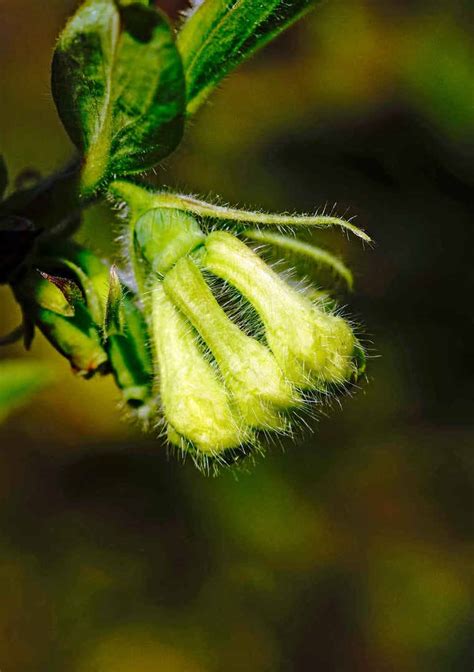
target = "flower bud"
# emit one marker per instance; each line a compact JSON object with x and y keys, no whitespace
{"x":248,"y":368}
{"x":311,"y":346}
{"x":196,"y":404}
{"x":76,"y":338}
{"x":165,"y":235}
{"x":70,"y":329}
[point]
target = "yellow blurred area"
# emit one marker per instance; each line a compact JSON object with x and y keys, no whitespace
{"x":126,"y":651}
{"x":349,"y":549}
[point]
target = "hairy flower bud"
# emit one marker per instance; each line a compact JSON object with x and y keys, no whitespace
{"x":196,"y":404}
{"x":255,"y":345}
{"x":311,"y":346}
{"x":248,"y":368}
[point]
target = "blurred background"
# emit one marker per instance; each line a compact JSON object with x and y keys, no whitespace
{"x":351,"y":550}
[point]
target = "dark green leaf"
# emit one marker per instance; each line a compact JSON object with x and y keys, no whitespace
{"x":118,"y":84}
{"x":220,"y":34}
{"x":52,"y":204}
{"x":17,"y":238}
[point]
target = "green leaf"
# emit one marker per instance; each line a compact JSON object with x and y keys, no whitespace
{"x":19,"y":380}
{"x":220,"y":34}
{"x":118,"y":84}
{"x":3,"y":176}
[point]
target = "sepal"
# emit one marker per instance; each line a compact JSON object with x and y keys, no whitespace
{"x":70,"y":330}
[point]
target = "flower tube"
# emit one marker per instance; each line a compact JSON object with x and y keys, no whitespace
{"x":196,"y":404}
{"x":248,"y":368}
{"x":312,"y":347}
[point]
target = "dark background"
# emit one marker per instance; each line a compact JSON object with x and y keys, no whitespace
{"x":351,"y":550}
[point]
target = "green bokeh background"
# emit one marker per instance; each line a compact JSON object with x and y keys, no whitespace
{"x":351,"y":550}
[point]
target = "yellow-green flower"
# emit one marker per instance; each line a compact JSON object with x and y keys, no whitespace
{"x":222,"y":378}
{"x":195,"y":402}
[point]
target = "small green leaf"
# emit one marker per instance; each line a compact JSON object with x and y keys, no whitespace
{"x":126,"y":341}
{"x":3,"y":176}
{"x":118,"y":85}
{"x":220,"y":34}
{"x":130,"y":357}
{"x":68,"y":288}
{"x":19,"y":380}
